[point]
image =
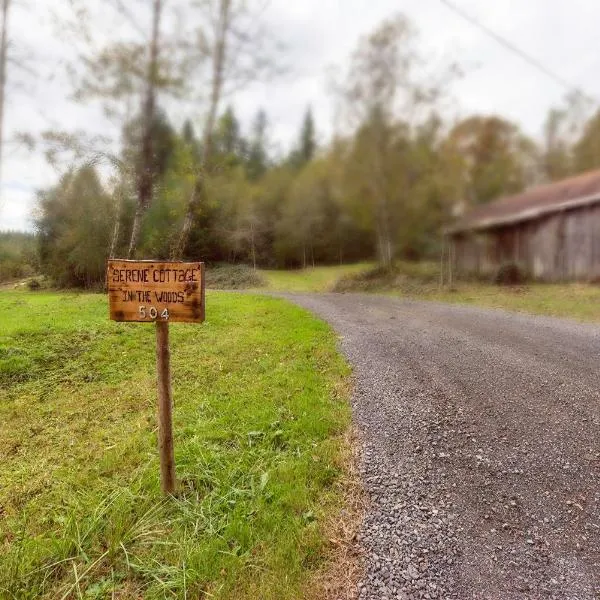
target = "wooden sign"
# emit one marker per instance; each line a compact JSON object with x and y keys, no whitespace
{"x":149,"y":290}
{"x":152,"y":291}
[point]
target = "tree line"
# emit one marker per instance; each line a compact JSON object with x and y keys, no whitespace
{"x":393,"y":175}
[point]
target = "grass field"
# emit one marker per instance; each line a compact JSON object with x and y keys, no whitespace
{"x":575,"y":301}
{"x":261,"y":407}
{"x":315,"y":279}
{"x":420,"y":281}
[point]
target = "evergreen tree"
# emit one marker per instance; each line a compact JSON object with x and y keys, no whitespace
{"x":229,"y":132}
{"x":74,"y":224}
{"x":188,"y":134}
{"x":229,"y":146}
{"x":163,"y":143}
{"x":257,"y":162}
{"x":586,"y":151}
{"x":306,"y":146}
{"x":188,"y":137}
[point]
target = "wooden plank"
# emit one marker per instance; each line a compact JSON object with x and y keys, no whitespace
{"x":150,"y":290}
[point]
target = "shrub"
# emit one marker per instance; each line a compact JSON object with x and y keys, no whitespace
{"x":233,"y":277}
{"x":510,"y":273}
{"x":407,"y":277}
{"x":34,"y":284}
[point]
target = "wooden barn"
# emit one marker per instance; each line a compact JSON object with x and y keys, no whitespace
{"x":552,"y":231}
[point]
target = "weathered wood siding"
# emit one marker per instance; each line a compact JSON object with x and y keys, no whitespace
{"x":558,"y":247}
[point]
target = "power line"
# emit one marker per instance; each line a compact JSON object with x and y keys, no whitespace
{"x":515,"y":50}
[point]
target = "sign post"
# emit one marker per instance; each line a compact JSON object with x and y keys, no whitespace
{"x":150,"y":291}
{"x":165,"y":409}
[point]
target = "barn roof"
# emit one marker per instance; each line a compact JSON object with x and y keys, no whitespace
{"x":573,"y":192}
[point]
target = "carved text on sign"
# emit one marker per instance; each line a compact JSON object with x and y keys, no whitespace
{"x":155,"y":290}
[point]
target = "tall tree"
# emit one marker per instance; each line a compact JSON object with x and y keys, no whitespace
{"x":497,"y":158}
{"x":556,"y":150}
{"x":384,"y":80}
{"x":3,"y":63}
{"x":303,"y":216}
{"x":126,"y":74}
{"x":145,"y":173}
{"x":586,"y":150}
{"x":14,"y":59}
{"x":74,"y":228}
{"x":223,"y":31}
{"x":229,"y":145}
{"x":240,"y":52}
{"x":257,"y":151}
{"x":306,"y":146}
{"x":188,"y":134}
{"x":564,"y":129}
{"x":162,"y":137}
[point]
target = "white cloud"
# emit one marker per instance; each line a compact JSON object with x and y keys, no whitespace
{"x":16,"y":209}
{"x":320,"y":34}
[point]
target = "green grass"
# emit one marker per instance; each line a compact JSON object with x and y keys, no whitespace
{"x":260,"y":397}
{"x":420,"y":281}
{"x":314,"y":279}
{"x":575,"y":300}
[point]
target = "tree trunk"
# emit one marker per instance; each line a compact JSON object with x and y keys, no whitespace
{"x":117,"y":226}
{"x":442,"y":253}
{"x":219,"y":58}
{"x":198,"y":195}
{"x":135,"y":230}
{"x":389,"y":252}
{"x":165,"y":409}
{"x":384,"y":237}
{"x":3,"y":60}
{"x":384,"y":246}
{"x":252,"y":242}
{"x":450,"y":263}
{"x":145,"y":175}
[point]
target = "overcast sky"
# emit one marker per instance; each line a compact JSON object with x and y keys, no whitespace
{"x":320,"y":35}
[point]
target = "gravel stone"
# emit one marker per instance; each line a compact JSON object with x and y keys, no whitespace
{"x":481,"y":449}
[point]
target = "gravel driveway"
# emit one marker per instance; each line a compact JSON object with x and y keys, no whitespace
{"x":481,"y":449}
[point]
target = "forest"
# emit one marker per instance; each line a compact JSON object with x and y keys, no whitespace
{"x":171,"y":185}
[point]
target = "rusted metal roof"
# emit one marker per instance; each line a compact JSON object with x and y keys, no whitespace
{"x":573,"y":192}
